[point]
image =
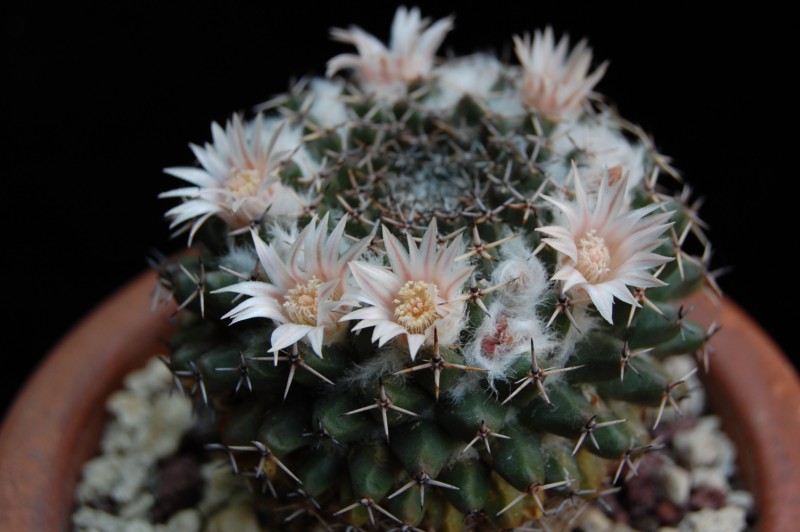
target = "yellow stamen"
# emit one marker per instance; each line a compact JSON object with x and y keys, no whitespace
{"x":302,"y":302}
{"x":243,"y":183}
{"x":416,"y":306}
{"x":594,"y":259}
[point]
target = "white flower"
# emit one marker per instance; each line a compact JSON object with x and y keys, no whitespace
{"x":554,"y":83}
{"x":419,"y":293}
{"x":387,"y":71}
{"x":305,"y":286}
{"x":606,"y":249}
{"x":238,"y":180}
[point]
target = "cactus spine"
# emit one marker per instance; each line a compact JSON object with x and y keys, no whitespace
{"x":433,"y":294}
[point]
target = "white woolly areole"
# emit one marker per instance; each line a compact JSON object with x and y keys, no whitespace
{"x":469,"y":383}
{"x":240,"y":259}
{"x":507,"y":105}
{"x":474,"y":75}
{"x":505,"y":334}
{"x":382,"y":362}
{"x":282,"y":237}
{"x":327,"y":109}
{"x":586,"y":322}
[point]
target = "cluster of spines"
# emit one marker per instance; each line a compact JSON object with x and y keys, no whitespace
{"x":300,"y":424}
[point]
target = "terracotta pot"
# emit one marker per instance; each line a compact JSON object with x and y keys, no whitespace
{"x":55,"y":424}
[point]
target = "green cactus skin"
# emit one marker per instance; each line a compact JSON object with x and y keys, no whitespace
{"x":529,"y":397}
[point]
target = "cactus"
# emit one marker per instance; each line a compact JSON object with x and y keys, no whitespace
{"x":425,"y":294}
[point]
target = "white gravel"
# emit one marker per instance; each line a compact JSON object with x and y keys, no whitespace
{"x":677,"y":483}
{"x":146,"y":424}
{"x":727,"y":519}
{"x":705,"y":445}
{"x":148,"y":421}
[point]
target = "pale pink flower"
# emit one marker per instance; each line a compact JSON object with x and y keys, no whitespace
{"x":237,"y":181}
{"x":554,"y":83}
{"x":418,"y":293}
{"x":604,"y":249}
{"x":387,"y":71}
{"x":305,"y":286}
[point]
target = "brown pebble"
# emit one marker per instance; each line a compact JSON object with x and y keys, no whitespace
{"x":707,"y":497}
{"x":668,"y":513}
{"x":615,"y":509}
{"x":642,"y":492}
{"x":180,"y":485}
{"x":106,"y":505}
{"x":667,"y":431}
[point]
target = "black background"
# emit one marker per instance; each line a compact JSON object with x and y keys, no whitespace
{"x":98,"y":101}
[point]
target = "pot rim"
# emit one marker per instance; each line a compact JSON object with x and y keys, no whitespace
{"x":53,"y":426}
{"x":768,"y":440}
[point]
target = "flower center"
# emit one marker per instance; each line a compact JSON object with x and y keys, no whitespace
{"x":302,"y":302}
{"x":243,"y":182}
{"x":416,"y":306}
{"x":593,"y":257}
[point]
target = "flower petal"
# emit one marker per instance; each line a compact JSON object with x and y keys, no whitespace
{"x":603,"y":300}
{"x":273,"y":265}
{"x":378,"y":286}
{"x":415,"y":341}
{"x":288,"y":334}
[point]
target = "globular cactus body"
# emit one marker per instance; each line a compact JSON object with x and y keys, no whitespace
{"x":434,"y":294}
